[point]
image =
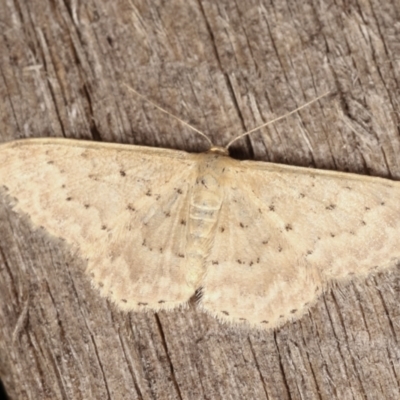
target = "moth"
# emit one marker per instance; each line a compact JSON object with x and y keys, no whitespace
{"x":260,"y":241}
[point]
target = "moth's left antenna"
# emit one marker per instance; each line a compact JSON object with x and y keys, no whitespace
{"x":171,"y":115}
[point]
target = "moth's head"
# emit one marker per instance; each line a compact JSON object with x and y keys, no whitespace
{"x":222,"y":151}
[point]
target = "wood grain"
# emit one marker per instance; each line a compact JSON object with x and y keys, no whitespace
{"x":224,"y":67}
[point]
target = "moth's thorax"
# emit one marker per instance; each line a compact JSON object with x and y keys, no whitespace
{"x":207,"y":191}
{"x":206,"y":199}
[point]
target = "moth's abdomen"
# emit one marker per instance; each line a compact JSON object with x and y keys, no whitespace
{"x":205,"y":204}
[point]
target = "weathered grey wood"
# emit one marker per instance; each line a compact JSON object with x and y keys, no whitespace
{"x":225,"y":67}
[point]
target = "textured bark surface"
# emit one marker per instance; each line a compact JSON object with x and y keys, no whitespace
{"x":225,"y":67}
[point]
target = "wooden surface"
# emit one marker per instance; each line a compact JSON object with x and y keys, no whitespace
{"x":225,"y":67}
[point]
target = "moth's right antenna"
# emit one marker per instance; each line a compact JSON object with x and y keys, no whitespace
{"x":171,"y":115}
{"x":275,"y":120}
